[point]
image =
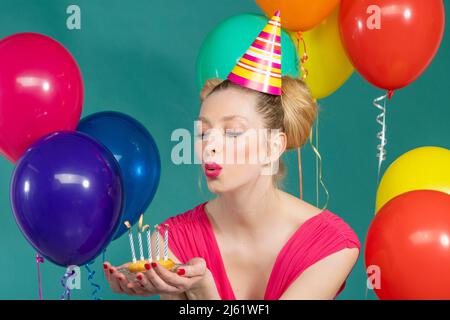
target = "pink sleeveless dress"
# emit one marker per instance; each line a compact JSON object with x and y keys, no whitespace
{"x":191,"y":235}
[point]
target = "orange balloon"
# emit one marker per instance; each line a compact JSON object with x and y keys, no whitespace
{"x":299,"y":15}
{"x":407,"y":251}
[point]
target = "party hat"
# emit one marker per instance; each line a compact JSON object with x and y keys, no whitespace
{"x":260,"y":67}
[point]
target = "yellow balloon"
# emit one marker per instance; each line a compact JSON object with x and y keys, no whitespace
{"x":328,"y":65}
{"x":424,"y":168}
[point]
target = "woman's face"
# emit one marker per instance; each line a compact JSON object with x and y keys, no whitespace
{"x":231,"y":141}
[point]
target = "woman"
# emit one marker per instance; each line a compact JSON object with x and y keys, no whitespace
{"x":253,"y":240}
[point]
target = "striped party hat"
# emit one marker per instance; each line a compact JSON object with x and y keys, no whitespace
{"x":260,"y":67}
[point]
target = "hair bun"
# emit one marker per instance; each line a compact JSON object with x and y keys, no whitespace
{"x":300,"y":111}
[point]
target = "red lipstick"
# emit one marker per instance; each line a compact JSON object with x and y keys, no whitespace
{"x":212,"y":169}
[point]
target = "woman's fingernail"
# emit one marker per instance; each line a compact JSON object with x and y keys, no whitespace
{"x":111,"y":270}
{"x":139,"y":277}
{"x":154,"y":264}
{"x":147,"y":266}
{"x":105,"y":266}
{"x":181,"y":271}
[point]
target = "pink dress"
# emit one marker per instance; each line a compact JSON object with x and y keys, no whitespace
{"x":191,"y":235}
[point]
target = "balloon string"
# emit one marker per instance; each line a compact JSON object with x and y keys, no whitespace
{"x":304,"y":56}
{"x":39,"y":260}
{"x":319,"y":177}
{"x":103,"y":255}
{"x":67,"y":275}
{"x":300,"y":175}
{"x":381,"y":119}
{"x":96,"y":286}
{"x":381,"y":154}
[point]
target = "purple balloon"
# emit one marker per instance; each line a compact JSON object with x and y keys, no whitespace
{"x":67,"y":198}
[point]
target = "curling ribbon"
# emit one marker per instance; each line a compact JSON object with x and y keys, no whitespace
{"x":94,"y":285}
{"x":381,"y":119}
{"x":304,"y":57}
{"x":39,"y":260}
{"x":318,"y":166}
{"x":67,"y":275}
{"x":300,"y":176}
{"x":381,"y":135}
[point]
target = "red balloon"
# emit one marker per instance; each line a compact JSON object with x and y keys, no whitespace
{"x":391,"y":42}
{"x":409,"y":241}
{"x":41,"y":91}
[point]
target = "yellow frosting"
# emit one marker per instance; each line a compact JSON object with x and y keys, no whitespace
{"x":168,"y":264}
{"x":139,"y":266}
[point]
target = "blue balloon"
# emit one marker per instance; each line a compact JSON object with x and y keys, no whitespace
{"x":137,"y":154}
{"x":67,"y":197}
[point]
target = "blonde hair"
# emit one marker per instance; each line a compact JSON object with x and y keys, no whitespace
{"x":294,"y":112}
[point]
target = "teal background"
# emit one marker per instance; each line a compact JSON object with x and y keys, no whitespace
{"x":138,"y":57}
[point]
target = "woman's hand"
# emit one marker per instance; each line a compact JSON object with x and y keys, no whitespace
{"x":192,"y":280}
{"x":119,"y":283}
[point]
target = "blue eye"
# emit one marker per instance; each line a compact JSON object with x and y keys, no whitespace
{"x":234,"y":134}
{"x":228,"y":133}
{"x":202,"y":135}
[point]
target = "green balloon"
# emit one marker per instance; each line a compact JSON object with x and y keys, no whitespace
{"x":229,"y":41}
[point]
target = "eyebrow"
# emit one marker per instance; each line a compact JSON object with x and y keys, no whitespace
{"x":225,"y":118}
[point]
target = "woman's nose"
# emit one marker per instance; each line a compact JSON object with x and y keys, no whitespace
{"x":210,"y":150}
{"x":213,"y":144}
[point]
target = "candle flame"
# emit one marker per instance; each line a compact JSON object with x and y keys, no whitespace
{"x":141,"y":220}
{"x":128,"y":225}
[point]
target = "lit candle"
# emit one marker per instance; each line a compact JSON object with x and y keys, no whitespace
{"x":149,"y":241}
{"x":166,"y":242}
{"x":130,"y":236}
{"x":157,"y":242}
{"x":141,"y":248}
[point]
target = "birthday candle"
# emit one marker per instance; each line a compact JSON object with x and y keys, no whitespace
{"x":149,"y":241}
{"x":157,"y":242}
{"x":141,"y":248}
{"x":130,"y":236}
{"x":166,"y":242}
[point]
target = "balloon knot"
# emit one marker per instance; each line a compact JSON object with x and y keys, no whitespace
{"x":390,"y":94}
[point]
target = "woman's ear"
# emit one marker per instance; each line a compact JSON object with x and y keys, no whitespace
{"x":277,"y":143}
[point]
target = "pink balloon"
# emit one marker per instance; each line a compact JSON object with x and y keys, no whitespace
{"x":41,"y":91}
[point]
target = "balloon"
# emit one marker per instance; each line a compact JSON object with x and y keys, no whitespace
{"x":228,"y":42}
{"x":137,"y":155}
{"x":421,"y":168}
{"x":299,"y":15}
{"x":328,"y":65}
{"x":408,"y":243}
{"x":391,"y":42}
{"x":41,"y":91}
{"x":66,"y":195}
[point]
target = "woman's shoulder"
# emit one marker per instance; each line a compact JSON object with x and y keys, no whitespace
{"x":338,"y":229}
{"x":193,"y":215}
{"x":321,"y":221}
